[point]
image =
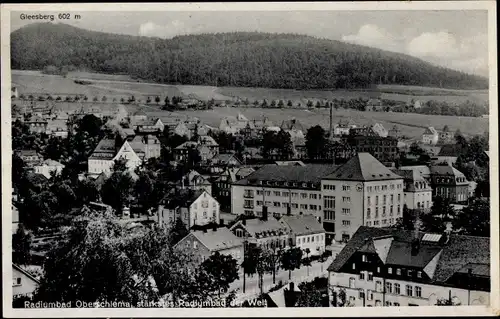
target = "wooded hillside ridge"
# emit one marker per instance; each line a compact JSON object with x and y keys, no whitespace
{"x":249,"y":59}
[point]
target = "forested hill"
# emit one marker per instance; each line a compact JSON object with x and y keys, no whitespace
{"x":229,"y":59}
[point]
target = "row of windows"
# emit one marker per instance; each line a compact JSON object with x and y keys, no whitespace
{"x":309,"y":239}
{"x":389,"y":288}
{"x":329,"y":187}
{"x":384,"y":211}
{"x":284,"y":204}
{"x":204,"y":204}
{"x":383,"y":187}
{"x":287,"y":184}
{"x":383,"y":222}
{"x":384,"y":199}
{"x":364,"y":258}
{"x":289,"y":194}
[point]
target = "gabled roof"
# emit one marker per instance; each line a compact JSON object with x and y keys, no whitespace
{"x":421,"y":169}
{"x":311,"y":173}
{"x":139,"y":113}
{"x":225,"y":158}
{"x":410,"y":175}
{"x":207,"y":140}
{"x":363,"y":167}
{"x":50,"y":162}
{"x":455,"y":254}
{"x":445,"y":170}
{"x":27,"y":153}
{"x":27,"y":274}
{"x":186,"y":145}
{"x":257,"y":228}
{"x":105,"y":150}
{"x":302,"y":224}
{"x":181,"y":198}
{"x":430,"y":131}
{"x":292,"y":124}
{"x":220,"y":239}
{"x":193,"y":178}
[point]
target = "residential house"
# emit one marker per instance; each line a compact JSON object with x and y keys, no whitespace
{"x":105,"y":154}
{"x":362,"y":131}
{"x":37,"y":124}
{"x":266,"y":232}
{"x":380,"y":130}
{"x":195,"y":181}
{"x":222,"y":183}
{"x":149,"y":126}
{"x":305,"y":232}
{"x":446,"y":136}
{"x":374,"y":105}
{"x":394,"y":132}
{"x":417,"y":189}
{"x":193,"y":207}
{"x":47,"y":167}
{"x":281,"y":190}
{"x":343,"y":127}
{"x":391,"y":267}
{"x":146,"y":146}
{"x":121,"y":113}
{"x":138,"y":116}
{"x":233,"y":125}
{"x":182,"y":129}
{"x":299,"y":147}
{"x":57,"y":127}
{"x":181,"y":152}
{"x":221,"y":161}
{"x":447,"y":154}
{"x":430,"y":136}
{"x":210,"y":143}
{"x":293,"y":127}
{"x":201,"y":244}
{"x":24,"y":284}
{"x":360,"y":192}
{"x":449,"y":183}
{"x":29,"y":157}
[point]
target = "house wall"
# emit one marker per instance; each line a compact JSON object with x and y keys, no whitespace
{"x":27,"y":285}
{"x":430,"y":139}
{"x":456,"y":193}
{"x":45,"y":170}
{"x":99,"y":166}
{"x":424,"y":197}
{"x":253,"y":202}
{"x":204,"y":210}
{"x":354,"y":207}
{"x":430,"y":293}
{"x":315,"y":243}
{"x":191,"y":245}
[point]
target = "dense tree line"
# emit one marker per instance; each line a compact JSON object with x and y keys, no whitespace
{"x":228,"y":59}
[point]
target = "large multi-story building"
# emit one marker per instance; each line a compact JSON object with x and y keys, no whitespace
{"x":417,"y":189}
{"x":391,"y":267}
{"x":449,"y":183}
{"x":383,"y":148}
{"x":361,"y":192}
{"x":282,"y":189}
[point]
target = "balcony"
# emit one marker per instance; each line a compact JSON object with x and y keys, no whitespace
{"x":248,"y":195}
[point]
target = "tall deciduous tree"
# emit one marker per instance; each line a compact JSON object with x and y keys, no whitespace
{"x":316,"y":142}
{"x":21,"y":246}
{"x":474,"y":219}
{"x":221,"y":271}
{"x":291,"y":260}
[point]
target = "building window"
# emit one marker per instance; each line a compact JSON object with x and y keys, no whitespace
{"x":370,"y":276}
{"x":388,"y":287}
{"x":399,"y":197}
{"x":346,"y":211}
{"x":398,"y":272}
{"x":383,"y":211}
{"x":385,"y":199}
{"x":378,"y":286}
{"x":16,"y":281}
{"x":329,"y":215}
{"x":418,"y":291}
{"x":351,"y":282}
{"x":369,"y":201}
{"x":313,"y":207}
{"x":396,"y":304}
{"x":304,"y":195}
{"x":376,"y":200}
{"x":369,"y":295}
{"x":346,"y":199}
{"x":195,"y":244}
{"x":353,"y":265}
{"x":364,"y":258}
{"x":329,"y":202}
{"x":346,"y":188}
{"x":346,"y":223}
{"x":378,"y":269}
{"x":409,"y":290}
{"x":409,"y":272}
{"x":376,"y":212}
{"x":419,"y":274}
{"x":313,"y":196}
{"x":399,"y":209}
{"x":368,"y":212}
{"x":276,"y":204}
{"x":277,"y":193}
{"x":397,"y":289}
{"x":361,"y":276}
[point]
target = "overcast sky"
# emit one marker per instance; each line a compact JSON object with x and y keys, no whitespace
{"x":455,"y":39}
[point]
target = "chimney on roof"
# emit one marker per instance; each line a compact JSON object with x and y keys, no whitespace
{"x":264,"y":213}
{"x":292,"y":286}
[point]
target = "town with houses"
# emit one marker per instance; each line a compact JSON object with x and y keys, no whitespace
{"x":346,"y":215}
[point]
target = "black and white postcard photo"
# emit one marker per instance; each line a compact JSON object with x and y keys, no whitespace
{"x":231,"y":159}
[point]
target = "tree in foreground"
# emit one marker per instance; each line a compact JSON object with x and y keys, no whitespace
{"x":290,"y":260}
{"x":21,"y":246}
{"x":474,"y":219}
{"x":221,"y":271}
